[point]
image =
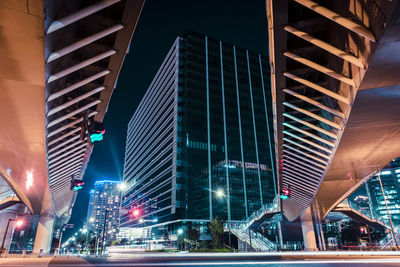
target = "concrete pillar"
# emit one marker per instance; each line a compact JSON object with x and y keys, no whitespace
{"x":307,"y":227}
{"x":44,"y":234}
{"x":279,"y":224}
{"x":318,"y":225}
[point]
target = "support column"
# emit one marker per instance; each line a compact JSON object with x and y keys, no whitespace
{"x":318,"y":225}
{"x":307,"y":228}
{"x":44,"y":234}
{"x":280,"y":237}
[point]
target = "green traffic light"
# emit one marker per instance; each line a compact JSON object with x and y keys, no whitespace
{"x":76,"y":188}
{"x":96,"y":137}
{"x":284,"y":197}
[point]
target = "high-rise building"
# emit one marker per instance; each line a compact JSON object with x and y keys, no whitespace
{"x":390,"y":177}
{"x":103,"y":210}
{"x":205,"y":122}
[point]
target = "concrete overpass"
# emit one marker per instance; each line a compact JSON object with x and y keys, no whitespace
{"x":59,"y":63}
{"x":336,"y":92}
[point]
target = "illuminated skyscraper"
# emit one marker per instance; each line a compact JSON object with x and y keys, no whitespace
{"x":104,"y":203}
{"x":205,"y":122}
{"x":390,"y":176}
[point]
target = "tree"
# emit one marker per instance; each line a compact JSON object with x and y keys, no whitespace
{"x":193,"y":236}
{"x":217,"y":230}
{"x":81,"y":240}
{"x":166,"y":236}
{"x":124,"y":241}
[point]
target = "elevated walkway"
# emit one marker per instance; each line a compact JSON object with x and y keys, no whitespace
{"x":267,"y":211}
{"x":351,"y":211}
{"x":335,"y":87}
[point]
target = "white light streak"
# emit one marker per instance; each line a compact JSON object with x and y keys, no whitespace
{"x":29,"y":180}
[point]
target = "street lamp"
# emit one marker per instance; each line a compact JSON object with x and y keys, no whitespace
{"x":220,"y":194}
{"x":180,"y":231}
{"x":122,"y":186}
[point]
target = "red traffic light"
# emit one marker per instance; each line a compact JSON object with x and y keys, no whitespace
{"x":19,"y":223}
{"x":286,"y":192}
{"x":136,"y":212}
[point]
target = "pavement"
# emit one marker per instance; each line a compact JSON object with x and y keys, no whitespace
{"x":299,"y":259}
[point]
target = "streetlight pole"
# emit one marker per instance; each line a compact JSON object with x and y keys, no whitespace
{"x":387,"y":209}
{"x":220,"y":193}
{"x":59,"y":241}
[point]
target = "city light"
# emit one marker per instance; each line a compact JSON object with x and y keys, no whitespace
{"x":135,"y":212}
{"x":91,"y":220}
{"x":285,"y":193}
{"x":77,"y":185}
{"x":96,"y":131}
{"x":180,"y":231}
{"x":122,"y":186}
{"x":141,"y":221}
{"x":19,"y":223}
{"x":29,"y":179}
{"x":220,"y":193}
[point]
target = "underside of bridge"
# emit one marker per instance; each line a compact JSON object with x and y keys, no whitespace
{"x":336,"y":93}
{"x":59,"y":65}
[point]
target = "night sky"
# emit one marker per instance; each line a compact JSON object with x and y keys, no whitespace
{"x":238,"y":22}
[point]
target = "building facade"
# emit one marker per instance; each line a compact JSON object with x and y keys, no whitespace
{"x":204,"y":126}
{"x":103,"y":210}
{"x":390,"y":177}
{"x":369,"y":198}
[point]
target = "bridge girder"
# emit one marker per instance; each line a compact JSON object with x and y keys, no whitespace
{"x":327,"y":58}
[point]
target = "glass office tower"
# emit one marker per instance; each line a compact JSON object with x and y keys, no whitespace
{"x":103,"y":210}
{"x":390,"y":176}
{"x":204,"y":126}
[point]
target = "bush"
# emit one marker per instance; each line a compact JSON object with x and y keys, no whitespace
{"x":209,"y":250}
{"x":163,"y":250}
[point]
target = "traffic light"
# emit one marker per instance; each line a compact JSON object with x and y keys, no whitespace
{"x":76,"y":185}
{"x":135,"y":212}
{"x":96,"y":131}
{"x":285,"y":193}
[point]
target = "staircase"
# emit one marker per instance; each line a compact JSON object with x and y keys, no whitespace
{"x":265,"y":212}
{"x":256,"y":240}
{"x":388,"y":242}
{"x":245,"y":231}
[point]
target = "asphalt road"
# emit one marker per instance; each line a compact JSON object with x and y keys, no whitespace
{"x":243,"y":259}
